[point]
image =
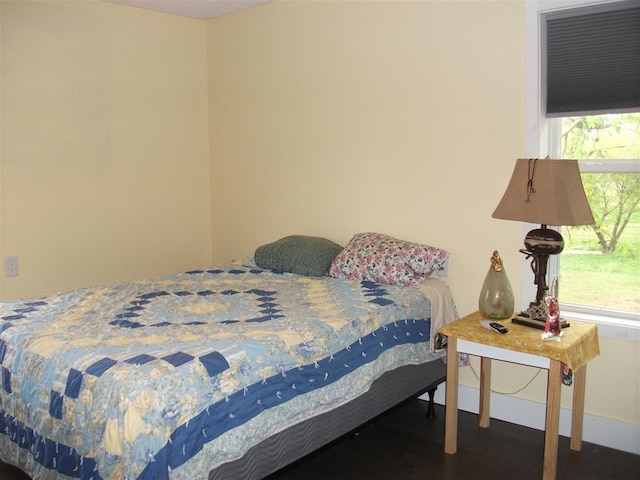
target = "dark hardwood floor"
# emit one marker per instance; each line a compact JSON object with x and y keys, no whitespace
{"x":405,"y":445}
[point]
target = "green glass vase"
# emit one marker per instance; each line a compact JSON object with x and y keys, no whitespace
{"x":496,"y":296}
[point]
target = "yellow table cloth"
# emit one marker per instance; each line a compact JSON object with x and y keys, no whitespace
{"x":578,"y":344}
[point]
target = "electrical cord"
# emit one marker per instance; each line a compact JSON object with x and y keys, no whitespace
{"x":509,"y":393}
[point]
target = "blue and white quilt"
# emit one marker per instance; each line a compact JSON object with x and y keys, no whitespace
{"x":168,"y":378}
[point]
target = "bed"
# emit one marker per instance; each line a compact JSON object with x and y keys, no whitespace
{"x":232,"y":371}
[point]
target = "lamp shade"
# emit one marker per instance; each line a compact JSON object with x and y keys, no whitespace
{"x":545,"y":191}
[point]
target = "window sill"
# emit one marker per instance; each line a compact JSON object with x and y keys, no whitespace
{"x":608,"y":326}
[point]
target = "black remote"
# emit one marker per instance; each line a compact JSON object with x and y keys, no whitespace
{"x":494,"y":326}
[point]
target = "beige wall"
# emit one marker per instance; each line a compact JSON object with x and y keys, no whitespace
{"x":331,"y":118}
{"x":105,"y":170}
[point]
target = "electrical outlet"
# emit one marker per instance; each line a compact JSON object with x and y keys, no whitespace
{"x":11,"y":267}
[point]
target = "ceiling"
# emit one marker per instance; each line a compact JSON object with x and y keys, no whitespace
{"x":193,"y":8}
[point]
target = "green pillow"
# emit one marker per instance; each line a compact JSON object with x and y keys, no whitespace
{"x":310,"y":256}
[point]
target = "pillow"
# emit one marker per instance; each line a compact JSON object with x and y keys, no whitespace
{"x":310,"y":256}
{"x":384,"y":259}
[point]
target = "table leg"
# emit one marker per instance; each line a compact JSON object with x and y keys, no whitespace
{"x":451,"y":398}
{"x":554,"y":381}
{"x":577,"y":412}
{"x":485,"y":391}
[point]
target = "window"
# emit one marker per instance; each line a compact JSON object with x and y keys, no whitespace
{"x":599,"y":269}
{"x":586,"y":107}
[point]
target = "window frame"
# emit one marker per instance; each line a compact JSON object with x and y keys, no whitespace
{"x":542,"y":138}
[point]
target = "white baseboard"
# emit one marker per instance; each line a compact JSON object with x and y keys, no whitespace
{"x":598,"y":430}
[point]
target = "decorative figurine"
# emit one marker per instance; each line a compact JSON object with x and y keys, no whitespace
{"x":496,"y":296}
{"x":552,"y":327}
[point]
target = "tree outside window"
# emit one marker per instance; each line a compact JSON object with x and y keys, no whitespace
{"x":600,"y":266}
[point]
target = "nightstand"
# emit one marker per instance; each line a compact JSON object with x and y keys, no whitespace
{"x":523,"y":345}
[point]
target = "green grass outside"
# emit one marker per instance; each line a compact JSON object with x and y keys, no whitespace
{"x":588,"y":277}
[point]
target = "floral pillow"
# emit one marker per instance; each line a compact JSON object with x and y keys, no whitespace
{"x":384,"y":259}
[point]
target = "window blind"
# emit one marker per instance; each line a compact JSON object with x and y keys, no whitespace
{"x":593,"y":59}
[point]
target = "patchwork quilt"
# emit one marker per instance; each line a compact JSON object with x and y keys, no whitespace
{"x":167,"y":378}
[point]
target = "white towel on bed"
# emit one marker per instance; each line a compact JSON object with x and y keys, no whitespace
{"x":443,"y":309}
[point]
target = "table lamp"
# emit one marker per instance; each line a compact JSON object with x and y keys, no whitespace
{"x":548,"y":192}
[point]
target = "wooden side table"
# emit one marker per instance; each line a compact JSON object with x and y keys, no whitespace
{"x":523,"y":345}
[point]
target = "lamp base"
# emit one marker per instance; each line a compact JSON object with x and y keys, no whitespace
{"x":536,"y":316}
{"x":540,"y":243}
{"x":523,"y":319}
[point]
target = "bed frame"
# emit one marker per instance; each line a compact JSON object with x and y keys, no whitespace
{"x":295,"y":442}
